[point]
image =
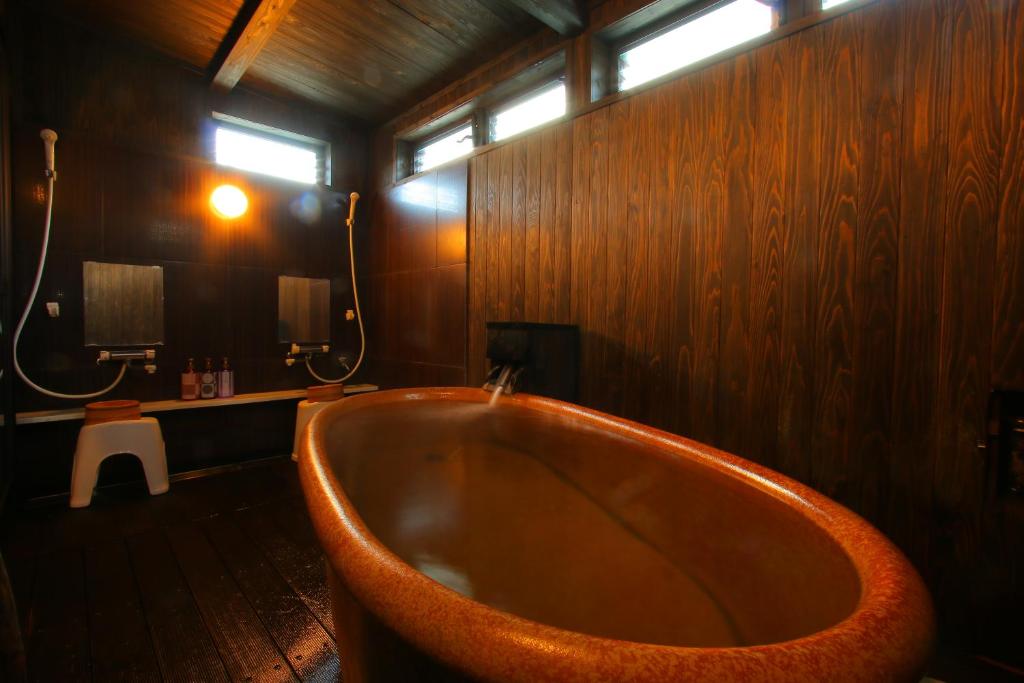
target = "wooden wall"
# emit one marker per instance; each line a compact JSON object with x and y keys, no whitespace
{"x":809,"y":255}
{"x":415,"y":289}
{"x":134,"y":177}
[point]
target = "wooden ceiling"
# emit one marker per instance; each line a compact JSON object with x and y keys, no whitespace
{"x":368,"y":59}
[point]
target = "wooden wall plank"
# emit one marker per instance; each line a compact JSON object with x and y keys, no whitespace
{"x":681,"y":344}
{"x":927,"y":47}
{"x":965,"y":331}
{"x":477,"y":339}
{"x":737,"y":130}
{"x":581,"y":162}
{"x":595,"y":258}
{"x":493,"y":208}
{"x":771,"y":99}
{"x":639,"y":283}
{"x":616,"y":267}
{"x":533,"y":180}
{"x":547,"y":227}
{"x":799,"y":260}
{"x":839,"y":107}
{"x":874,"y":325}
{"x":506,"y":276}
{"x":709,"y":225}
{"x":517,"y":253}
{"x":565,"y":193}
{"x":1008,"y":348}
{"x":671,"y":251}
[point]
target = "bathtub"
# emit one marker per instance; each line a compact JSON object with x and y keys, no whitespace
{"x":536,"y":540}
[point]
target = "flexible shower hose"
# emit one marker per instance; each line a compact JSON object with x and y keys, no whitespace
{"x":28,"y":309}
{"x":359,"y":316}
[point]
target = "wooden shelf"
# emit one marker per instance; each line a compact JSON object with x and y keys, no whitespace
{"x":39,"y":416}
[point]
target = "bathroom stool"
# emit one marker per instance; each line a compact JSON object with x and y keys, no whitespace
{"x":97,"y":442}
{"x":317,"y":398}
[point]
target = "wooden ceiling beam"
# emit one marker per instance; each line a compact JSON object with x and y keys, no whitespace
{"x":564,"y":16}
{"x":256,"y":23}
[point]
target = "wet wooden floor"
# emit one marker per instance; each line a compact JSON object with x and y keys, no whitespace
{"x":219,"y":579}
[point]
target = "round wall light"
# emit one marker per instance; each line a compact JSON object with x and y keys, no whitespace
{"x":228,"y":201}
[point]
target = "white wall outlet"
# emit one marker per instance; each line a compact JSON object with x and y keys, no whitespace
{"x":350,"y":314}
{"x":53,"y":308}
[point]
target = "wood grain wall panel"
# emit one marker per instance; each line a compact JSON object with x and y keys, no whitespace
{"x":517,"y":249}
{"x":640,"y":283}
{"x":709,"y":226}
{"x":580,"y":231}
{"x":807,"y":254}
{"x":418,"y":320}
{"x":595,"y":260}
{"x":737,"y":135}
{"x":926,"y":30}
{"x":531,"y":275}
{"x":839,"y":107}
{"x":799,"y":260}
{"x":452,"y":192}
{"x":477,"y":339}
{"x":771,"y":99}
{"x":493,"y":233}
{"x":616,"y":265}
{"x":668,"y":253}
{"x":1008,"y":347}
{"x":965,"y":333}
{"x":565,"y":193}
{"x":874,"y":325}
{"x":547,"y":228}
{"x":506,"y":185}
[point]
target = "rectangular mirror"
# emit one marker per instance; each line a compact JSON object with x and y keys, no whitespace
{"x":303,"y":309}
{"x":124,"y":305}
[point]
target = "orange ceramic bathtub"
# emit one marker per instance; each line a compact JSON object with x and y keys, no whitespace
{"x":539,"y":541}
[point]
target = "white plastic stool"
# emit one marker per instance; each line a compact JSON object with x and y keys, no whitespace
{"x":97,"y":442}
{"x":303,"y":415}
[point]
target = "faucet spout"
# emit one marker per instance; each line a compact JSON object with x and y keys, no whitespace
{"x":502,"y":380}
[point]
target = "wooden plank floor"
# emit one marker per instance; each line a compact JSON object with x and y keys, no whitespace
{"x":219,"y":579}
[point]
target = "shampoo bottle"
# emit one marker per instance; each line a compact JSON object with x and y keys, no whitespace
{"x":225,"y":380}
{"x":208,"y":381}
{"x":190,"y":382}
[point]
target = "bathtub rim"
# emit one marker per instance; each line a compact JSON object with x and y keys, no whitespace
{"x":888,"y":635}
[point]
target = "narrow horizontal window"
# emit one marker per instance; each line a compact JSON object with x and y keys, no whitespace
{"x":539,"y":107}
{"x":280,"y":158}
{"x":453,"y":145}
{"x":829,"y":4}
{"x":723,"y":27}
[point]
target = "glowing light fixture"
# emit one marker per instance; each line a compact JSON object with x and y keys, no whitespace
{"x":228,"y":201}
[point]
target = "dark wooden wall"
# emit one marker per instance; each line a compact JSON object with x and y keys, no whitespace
{"x":809,"y":255}
{"x":134,"y":177}
{"x":415,"y":289}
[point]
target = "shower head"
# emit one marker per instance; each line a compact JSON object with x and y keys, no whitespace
{"x":49,"y":140}
{"x":352,"y":199}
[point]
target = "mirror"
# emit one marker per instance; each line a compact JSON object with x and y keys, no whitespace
{"x":124,"y":304}
{"x":303,"y":309}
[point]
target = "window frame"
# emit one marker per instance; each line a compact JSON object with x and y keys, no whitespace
{"x":477,"y":112}
{"x":419,"y":145}
{"x":518,"y":97}
{"x":321,"y":148}
{"x":666,"y":24}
